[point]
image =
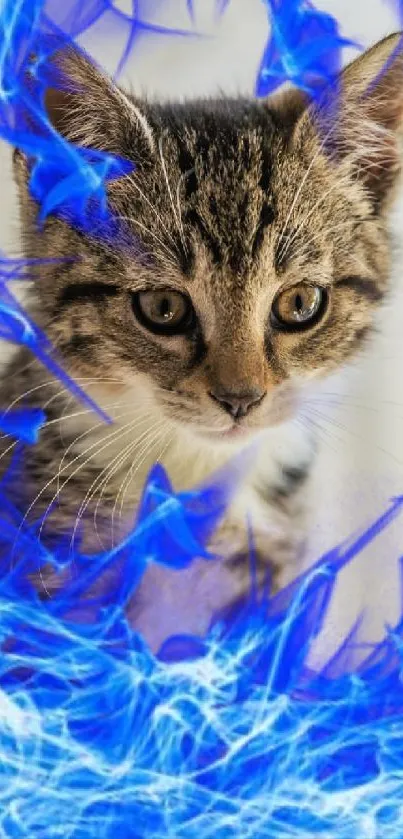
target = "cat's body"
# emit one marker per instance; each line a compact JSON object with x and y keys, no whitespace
{"x":252,"y":254}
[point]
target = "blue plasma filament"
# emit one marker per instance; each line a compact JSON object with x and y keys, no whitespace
{"x":24,"y":424}
{"x":231,"y":735}
{"x":64,"y":178}
{"x":304,"y":48}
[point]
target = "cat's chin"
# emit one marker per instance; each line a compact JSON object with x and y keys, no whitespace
{"x":236,"y":435}
{"x":237,"y":432}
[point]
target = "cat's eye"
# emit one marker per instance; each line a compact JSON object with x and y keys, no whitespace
{"x":164,"y":312}
{"x":299,"y":307}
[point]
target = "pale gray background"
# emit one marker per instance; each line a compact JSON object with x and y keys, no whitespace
{"x":361,"y":462}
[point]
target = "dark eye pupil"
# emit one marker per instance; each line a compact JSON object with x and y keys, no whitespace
{"x":163,"y":312}
{"x":297,"y":308}
{"x":299,"y":304}
{"x":166,"y":309}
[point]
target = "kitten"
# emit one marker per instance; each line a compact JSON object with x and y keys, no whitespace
{"x":256,"y":254}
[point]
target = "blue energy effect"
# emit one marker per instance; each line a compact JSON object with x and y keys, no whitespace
{"x":17,"y":328}
{"x":229,"y":736}
{"x":64,"y":178}
{"x":304,"y":47}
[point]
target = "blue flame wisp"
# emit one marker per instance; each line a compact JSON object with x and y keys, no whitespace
{"x":304,"y":47}
{"x":17,"y":327}
{"x":64,"y":178}
{"x":24,"y":423}
{"x":230,"y":736}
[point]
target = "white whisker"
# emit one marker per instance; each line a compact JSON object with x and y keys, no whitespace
{"x":300,"y":188}
{"x":151,"y":205}
{"x":135,"y":466}
{"x":99,"y":482}
{"x":118,"y":462}
{"x":150,"y":232}
{"x":110,"y":438}
{"x":308,"y":215}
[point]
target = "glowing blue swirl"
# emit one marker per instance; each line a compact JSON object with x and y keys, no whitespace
{"x":18,"y":328}
{"x":64,"y":177}
{"x":226,"y":736}
{"x":304,"y":47}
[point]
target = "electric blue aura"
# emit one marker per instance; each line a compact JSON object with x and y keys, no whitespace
{"x":229,"y":735}
{"x":304,"y":47}
{"x":18,"y":328}
{"x":64,"y":179}
{"x":23,"y":423}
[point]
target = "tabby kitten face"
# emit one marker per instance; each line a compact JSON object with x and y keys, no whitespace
{"x":252,"y":250}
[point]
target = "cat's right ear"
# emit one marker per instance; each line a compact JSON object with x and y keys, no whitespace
{"x":87,"y":108}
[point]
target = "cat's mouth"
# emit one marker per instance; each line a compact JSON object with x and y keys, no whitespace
{"x":234,"y":433}
{"x":236,"y":430}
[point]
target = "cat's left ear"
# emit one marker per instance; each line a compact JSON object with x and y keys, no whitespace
{"x":362,"y":127}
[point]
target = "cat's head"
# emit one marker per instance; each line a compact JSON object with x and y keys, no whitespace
{"x":254,"y":248}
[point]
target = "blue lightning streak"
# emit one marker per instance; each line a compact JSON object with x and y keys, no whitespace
{"x":25,"y":424}
{"x":221,"y":736}
{"x":304,"y":48}
{"x":62,"y":175}
{"x":18,"y":328}
{"x":64,"y":178}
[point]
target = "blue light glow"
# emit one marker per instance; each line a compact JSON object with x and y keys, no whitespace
{"x":18,"y":328}
{"x":61,"y":175}
{"x":24,"y":424}
{"x":64,"y":178}
{"x":231,"y":736}
{"x":304,"y":47}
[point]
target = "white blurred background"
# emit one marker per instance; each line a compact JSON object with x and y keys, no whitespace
{"x":361,"y":460}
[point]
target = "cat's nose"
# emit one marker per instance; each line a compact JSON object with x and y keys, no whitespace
{"x":238,"y":405}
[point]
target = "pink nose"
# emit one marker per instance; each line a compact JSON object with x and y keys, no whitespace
{"x":236,"y":404}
